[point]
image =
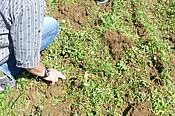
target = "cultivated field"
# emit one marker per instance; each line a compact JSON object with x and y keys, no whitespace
{"x":119,"y":60}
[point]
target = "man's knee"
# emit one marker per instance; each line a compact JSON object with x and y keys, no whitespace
{"x":52,"y":25}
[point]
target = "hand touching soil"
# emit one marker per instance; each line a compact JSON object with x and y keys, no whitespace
{"x":54,"y":76}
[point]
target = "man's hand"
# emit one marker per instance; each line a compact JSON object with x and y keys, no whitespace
{"x":54,"y":76}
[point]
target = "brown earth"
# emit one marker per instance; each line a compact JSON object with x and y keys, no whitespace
{"x":74,"y":13}
{"x":117,"y":43}
{"x":61,"y":109}
{"x":142,"y":109}
{"x":33,"y":100}
{"x":79,"y":14}
{"x":51,"y":92}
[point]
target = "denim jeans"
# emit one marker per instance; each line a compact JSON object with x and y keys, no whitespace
{"x":49,"y":31}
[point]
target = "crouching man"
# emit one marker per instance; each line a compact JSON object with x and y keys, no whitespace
{"x":24,"y":33}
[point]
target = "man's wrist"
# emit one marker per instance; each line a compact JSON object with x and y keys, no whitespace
{"x":46,"y":72}
{"x":39,"y":70}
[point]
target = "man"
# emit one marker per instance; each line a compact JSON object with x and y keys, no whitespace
{"x":24,"y":32}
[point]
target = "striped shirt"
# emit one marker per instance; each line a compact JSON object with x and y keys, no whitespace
{"x":20,"y":31}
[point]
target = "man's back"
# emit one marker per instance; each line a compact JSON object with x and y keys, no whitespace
{"x":20,"y":28}
{"x":4,"y":30}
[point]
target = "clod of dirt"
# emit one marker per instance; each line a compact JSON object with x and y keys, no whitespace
{"x":32,"y":96}
{"x":75,"y":13}
{"x":140,"y":30}
{"x":52,"y":92}
{"x":142,"y":109}
{"x":79,"y":14}
{"x":55,"y":90}
{"x":73,"y":82}
{"x":33,"y":99}
{"x":117,"y":43}
{"x":60,"y":109}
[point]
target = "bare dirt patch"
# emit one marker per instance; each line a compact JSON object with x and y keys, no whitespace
{"x":142,"y":109}
{"x":75,"y":13}
{"x":35,"y":95}
{"x":61,"y":109}
{"x":117,"y":43}
{"x":54,"y":92}
{"x":80,"y":14}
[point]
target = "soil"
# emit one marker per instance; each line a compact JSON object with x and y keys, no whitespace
{"x":142,"y":109}
{"x":33,"y":101}
{"x":117,"y":43}
{"x":51,"y":92}
{"x":75,"y":13}
{"x":60,"y":109}
{"x":79,"y":14}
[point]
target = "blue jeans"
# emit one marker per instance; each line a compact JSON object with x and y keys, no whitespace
{"x":49,"y":31}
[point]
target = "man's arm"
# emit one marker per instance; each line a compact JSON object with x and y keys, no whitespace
{"x":40,"y":70}
{"x":26,"y":37}
{"x":26,"y":32}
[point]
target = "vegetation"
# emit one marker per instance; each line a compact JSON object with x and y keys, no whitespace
{"x":97,"y":83}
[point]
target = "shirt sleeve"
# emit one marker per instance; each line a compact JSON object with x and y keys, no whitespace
{"x":26,"y":32}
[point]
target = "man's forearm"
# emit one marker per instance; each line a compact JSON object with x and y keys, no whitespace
{"x":53,"y":76}
{"x":38,"y":70}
